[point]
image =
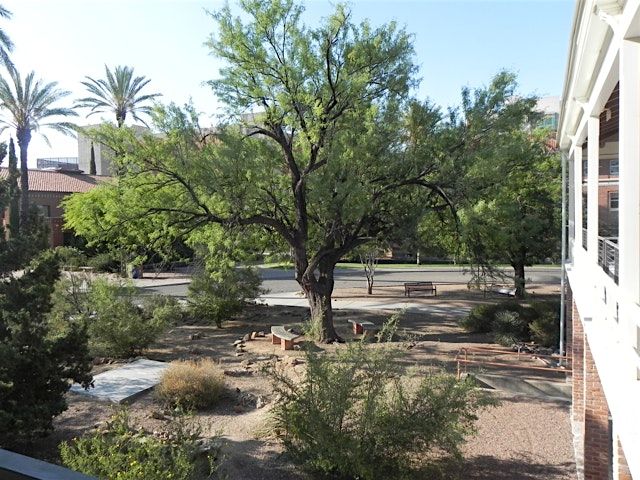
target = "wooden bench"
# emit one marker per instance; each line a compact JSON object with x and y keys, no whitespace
{"x":359,"y":326}
{"x":280,"y":336}
{"x":419,"y":287}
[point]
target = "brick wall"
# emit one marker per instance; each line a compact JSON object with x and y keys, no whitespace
{"x":597,"y":434}
{"x":590,"y":414}
{"x":621,"y":463}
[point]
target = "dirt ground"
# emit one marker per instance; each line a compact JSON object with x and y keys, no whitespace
{"x":521,"y":438}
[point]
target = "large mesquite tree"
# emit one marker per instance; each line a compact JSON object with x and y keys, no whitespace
{"x":337,"y":156}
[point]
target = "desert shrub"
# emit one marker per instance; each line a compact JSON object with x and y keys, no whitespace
{"x":480,"y":318}
{"x":191,"y":384}
{"x":356,"y":415}
{"x":104,"y":262}
{"x":509,"y":327}
{"x":545,"y":329}
{"x":70,"y":257}
{"x":37,"y":365}
{"x":117,"y":327}
{"x":163,"y":308}
{"x":214,"y":296}
{"x":119,"y":451}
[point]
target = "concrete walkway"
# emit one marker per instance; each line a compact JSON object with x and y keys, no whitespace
{"x":125,"y":383}
{"x":294,"y":299}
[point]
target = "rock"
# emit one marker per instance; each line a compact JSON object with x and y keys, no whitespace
{"x":158,"y":415}
{"x":297,"y":347}
{"x":207,"y":445}
{"x":237,"y":409}
{"x":195,"y":351}
{"x":239,"y":354}
{"x":246,"y":338}
{"x":254,"y":335}
{"x":246,"y":363}
{"x":260,"y":402}
{"x":260,"y":334}
{"x":195,"y":336}
{"x":238,"y":373}
{"x":264,"y":358}
{"x":237,"y":342}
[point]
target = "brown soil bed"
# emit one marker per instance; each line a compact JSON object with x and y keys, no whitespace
{"x":521,"y":438}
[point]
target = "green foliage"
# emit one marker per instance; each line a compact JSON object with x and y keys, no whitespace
{"x":512,"y":322}
{"x":121,"y":452}
{"x":36,"y":363}
{"x":105,"y":262}
{"x":22,"y":246}
{"x":356,"y":415}
{"x":191,"y":384}
{"x":214,"y":296}
{"x":71,"y":258}
{"x":481,"y":317}
{"x":116,"y":325}
{"x":545,"y":327}
{"x":118,"y":328}
{"x":118,"y":93}
{"x":509,"y":328}
{"x":163,"y":309}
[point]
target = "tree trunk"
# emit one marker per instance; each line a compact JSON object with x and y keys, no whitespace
{"x":318,"y":290}
{"x":24,"y":137}
{"x":519,"y":278}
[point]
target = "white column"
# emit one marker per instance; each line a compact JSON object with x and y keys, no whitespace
{"x":593,"y":159}
{"x":577,"y":186}
{"x":629,"y":169}
{"x":571,"y":204}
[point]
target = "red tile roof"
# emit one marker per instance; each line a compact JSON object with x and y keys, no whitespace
{"x":63,"y":182}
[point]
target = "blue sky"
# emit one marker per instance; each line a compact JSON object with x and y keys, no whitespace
{"x":457,"y":42}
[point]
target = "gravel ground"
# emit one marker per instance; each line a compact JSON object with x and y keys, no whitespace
{"x":521,"y":438}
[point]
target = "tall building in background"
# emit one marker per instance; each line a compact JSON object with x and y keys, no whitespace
{"x":599,"y":136}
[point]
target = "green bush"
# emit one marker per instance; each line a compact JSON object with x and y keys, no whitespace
{"x":356,"y":415}
{"x":104,"y":262}
{"x":545,"y":330}
{"x":214,"y":296}
{"x":37,"y":364}
{"x":124,"y":453}
{"x":191,"y":384}
{"x":71,"y":258}
{"x":163,"y":308}
{"x":117,"y":327}
{"x":509,"y":327}
{"x":480,"y":318}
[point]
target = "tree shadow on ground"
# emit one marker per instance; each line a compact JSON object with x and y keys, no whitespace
{"x":484,"y":467}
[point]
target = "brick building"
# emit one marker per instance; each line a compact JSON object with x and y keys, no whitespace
{"x":47,"y":189}
{"x":599,"y":136}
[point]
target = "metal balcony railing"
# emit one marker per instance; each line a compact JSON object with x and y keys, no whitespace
{"x":14,"y":466}
{"x":64,"y":163}
{"x":584,"y":238}
{"x":608,"y":257}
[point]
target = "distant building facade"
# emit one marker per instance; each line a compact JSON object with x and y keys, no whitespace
{"x":599,"y":136}
{"x":47,"y":189}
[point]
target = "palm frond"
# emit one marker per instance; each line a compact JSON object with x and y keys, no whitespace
{"x":118,"y":92}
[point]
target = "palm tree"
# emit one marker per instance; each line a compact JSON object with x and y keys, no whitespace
{"x":119,"y":93}
{"x":6,"y":45}
{"x":28,"y":104}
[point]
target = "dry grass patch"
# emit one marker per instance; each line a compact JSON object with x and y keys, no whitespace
{"x":191,"y":384}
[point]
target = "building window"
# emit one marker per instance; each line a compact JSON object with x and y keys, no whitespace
{"x":613,"y":200}
{"x":613,"y":167}
{"x":43,"y":211}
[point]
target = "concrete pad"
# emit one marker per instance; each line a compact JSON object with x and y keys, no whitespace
{"x":293,"y":299}
{"x":125,"y":383}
